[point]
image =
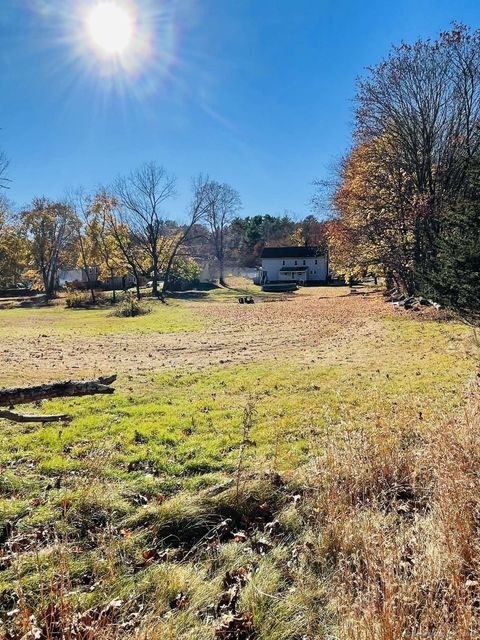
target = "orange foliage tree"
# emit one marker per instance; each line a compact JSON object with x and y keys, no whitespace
{"x":376,"y":213}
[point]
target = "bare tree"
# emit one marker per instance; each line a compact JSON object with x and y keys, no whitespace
{"x":4,"y":162}
{"x":223,"y":205}
{"x":199,"y":208}
{"x":125,"y":242}
{"x":140,"y":197}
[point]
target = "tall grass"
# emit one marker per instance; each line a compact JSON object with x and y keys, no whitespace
{"x":396,"y":522}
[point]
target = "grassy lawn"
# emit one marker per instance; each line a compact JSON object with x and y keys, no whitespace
{"x":55,"y":320}
{"x":97,"y":499}
{"x":186,"y":427}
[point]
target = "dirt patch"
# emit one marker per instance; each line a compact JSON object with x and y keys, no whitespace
{"x":313,"y":326}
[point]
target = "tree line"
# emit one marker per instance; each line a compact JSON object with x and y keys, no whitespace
{"x":125,"y":230}
{"x":406,"y":197}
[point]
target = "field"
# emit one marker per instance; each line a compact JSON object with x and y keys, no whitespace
{"x":231,"y":483}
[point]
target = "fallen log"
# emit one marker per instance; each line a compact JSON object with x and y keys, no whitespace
{"x":21,"y":417}
{"x":11,"y":397}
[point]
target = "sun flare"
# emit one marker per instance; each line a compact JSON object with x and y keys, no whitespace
{"x":110,"y":27}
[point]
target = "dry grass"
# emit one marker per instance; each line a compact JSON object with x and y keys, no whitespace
{"x":396,"y":523}
{"x":322,"y":325}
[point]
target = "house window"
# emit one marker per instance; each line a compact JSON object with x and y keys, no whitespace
{"x":304,"y":262}
{"x":283,"y":262}
{"x":315,"y":262}
{"x":295,"y":263}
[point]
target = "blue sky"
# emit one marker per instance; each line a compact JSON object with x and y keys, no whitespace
{"x":256,"y":93}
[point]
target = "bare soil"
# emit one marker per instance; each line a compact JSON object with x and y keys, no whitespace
{"x":316,"y":325}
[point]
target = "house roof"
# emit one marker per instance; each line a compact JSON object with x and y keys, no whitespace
{"x":293,"y":269}
{"x":292,"y":252}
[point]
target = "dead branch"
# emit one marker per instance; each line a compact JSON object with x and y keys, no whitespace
{"x":21,"y":417}
{"x":11,"y":397}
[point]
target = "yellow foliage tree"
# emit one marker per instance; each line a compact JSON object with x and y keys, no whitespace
{"x":13,"y":252}
{"x":376,"y":215}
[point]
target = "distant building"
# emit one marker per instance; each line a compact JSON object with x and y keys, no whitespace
{"x":301,"y":265}
{"x":77,"y":276}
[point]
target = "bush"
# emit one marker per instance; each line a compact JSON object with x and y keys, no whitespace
{"x":130,"y":307}
{"x":184,"y":275}
{"x":76,"y":299}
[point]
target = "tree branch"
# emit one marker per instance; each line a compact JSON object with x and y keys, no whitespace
{"x":20,"y":417}
{"x":11,"y":397}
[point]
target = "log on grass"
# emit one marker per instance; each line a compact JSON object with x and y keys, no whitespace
{"x":11,"y":397}
{"x":21,"y":417}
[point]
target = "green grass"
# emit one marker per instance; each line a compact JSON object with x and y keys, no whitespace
{"x":173,"y":317}
{"x":56,"y":320}
{"x":186,"y":427}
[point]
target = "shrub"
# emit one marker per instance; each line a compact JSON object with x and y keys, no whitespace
{"x":184,"y":275}
{"x":76,"y":299}
{"x":130,"y":307}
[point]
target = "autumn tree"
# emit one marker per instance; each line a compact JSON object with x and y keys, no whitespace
{"x":87,"y":241}
{"x":423,"y":102}
{"x":377,"y":209}
{"x":13,"y":248}
{"x":50,"y":230}
{"x":101,"y":230}
{"x":310,"y":232}
{"x":415,"y":138}
{"x":13,"y":245}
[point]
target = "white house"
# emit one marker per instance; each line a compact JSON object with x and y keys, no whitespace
{"x":77,"y":276}
{"x":303,"y":265}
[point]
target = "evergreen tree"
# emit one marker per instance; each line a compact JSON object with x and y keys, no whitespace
{"x":456,"y":277}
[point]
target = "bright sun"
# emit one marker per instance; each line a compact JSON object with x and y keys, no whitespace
{"x":110,"y":27}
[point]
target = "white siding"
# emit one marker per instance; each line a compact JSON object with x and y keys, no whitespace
{"x":316,"y":267}
{"x":70,"y":275}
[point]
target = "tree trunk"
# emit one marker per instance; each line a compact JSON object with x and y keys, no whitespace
{"x":137,"y":282}
{"x":23,"y":395}
{"x":90,"y":285}
{"x":50,"y":289}
{"x":167,"y":273}
{"x":155,"y":278}
{"x":114,"y":293}
{"x":221,"y":279}
{"x":21,"y":417}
